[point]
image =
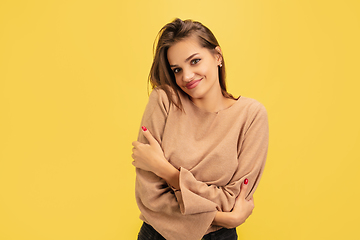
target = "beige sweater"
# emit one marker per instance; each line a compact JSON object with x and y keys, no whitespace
{"x":214,"y":152}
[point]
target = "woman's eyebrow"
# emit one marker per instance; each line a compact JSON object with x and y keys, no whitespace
{"x":185,"y":59}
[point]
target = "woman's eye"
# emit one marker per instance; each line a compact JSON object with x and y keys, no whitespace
{"x":195,"y":61}
{"x":176,"y":70}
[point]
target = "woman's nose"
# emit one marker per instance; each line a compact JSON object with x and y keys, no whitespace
{"x":188,"y":75}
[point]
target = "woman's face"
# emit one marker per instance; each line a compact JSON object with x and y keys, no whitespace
{"x":195,"y":68}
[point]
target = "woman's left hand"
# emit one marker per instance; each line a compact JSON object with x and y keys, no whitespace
{"x":149,"y":157}
{"x":242,"y":210}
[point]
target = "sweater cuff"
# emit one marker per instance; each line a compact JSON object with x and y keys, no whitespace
{"x":190,"y":202}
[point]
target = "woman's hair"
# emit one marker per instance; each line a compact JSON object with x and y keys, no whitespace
{"x":161,"y":75}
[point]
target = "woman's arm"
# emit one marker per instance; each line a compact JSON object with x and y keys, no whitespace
{"x":150,"y":157}
{"x":196,"y":196}
{"x":242,"y":210}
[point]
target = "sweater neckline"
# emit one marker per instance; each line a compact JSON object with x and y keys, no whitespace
{"x":217,"y":112}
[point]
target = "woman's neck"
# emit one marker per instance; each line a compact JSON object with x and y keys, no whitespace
{"x":213,"y":103}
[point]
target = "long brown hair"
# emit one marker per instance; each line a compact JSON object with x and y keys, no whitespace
{"x":161,"y":75}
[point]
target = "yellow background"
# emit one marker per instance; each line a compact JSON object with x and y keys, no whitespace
{"x":73,"y":87}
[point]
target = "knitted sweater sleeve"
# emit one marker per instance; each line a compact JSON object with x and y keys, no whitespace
{"x":196,"y":196}
{"x":156,"y":200}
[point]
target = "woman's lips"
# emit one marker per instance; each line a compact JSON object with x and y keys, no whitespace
{"x":193,"y":84}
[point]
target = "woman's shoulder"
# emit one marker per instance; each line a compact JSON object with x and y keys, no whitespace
{"x":252,"y":105}
{"x":162,"y":93}
{"x":159,"y":96}
{"x":162,"y":90}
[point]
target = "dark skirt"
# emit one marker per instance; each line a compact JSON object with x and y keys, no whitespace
{"x":147,"y":232}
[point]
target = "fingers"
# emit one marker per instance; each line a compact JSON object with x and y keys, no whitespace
{"x":243,"y":189}
{"x":148,"y":136}
{"x":136,"y":143}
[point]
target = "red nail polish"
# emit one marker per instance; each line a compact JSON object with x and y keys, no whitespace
{"x":144,"y":128}
{"x":246,"y":181}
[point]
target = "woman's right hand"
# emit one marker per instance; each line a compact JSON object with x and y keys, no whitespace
{"x":242,"y":210}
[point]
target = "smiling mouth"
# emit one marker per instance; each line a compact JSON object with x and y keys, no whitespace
{"x":193,"y":84}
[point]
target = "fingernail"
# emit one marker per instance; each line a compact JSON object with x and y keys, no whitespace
{"x":246,"y":181}
{"x":144,"y":128}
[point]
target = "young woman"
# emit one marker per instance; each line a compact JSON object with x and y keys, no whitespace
{"x":200,"y":152}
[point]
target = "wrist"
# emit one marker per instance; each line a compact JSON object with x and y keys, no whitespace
{"x":162,"y":168}
{"x":170,"y":174}
{"x":228,"y":219}
{"x":236,"y":219}
{"x":223,"y":219}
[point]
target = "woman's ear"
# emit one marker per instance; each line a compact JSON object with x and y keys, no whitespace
{"x":218,"y":55}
